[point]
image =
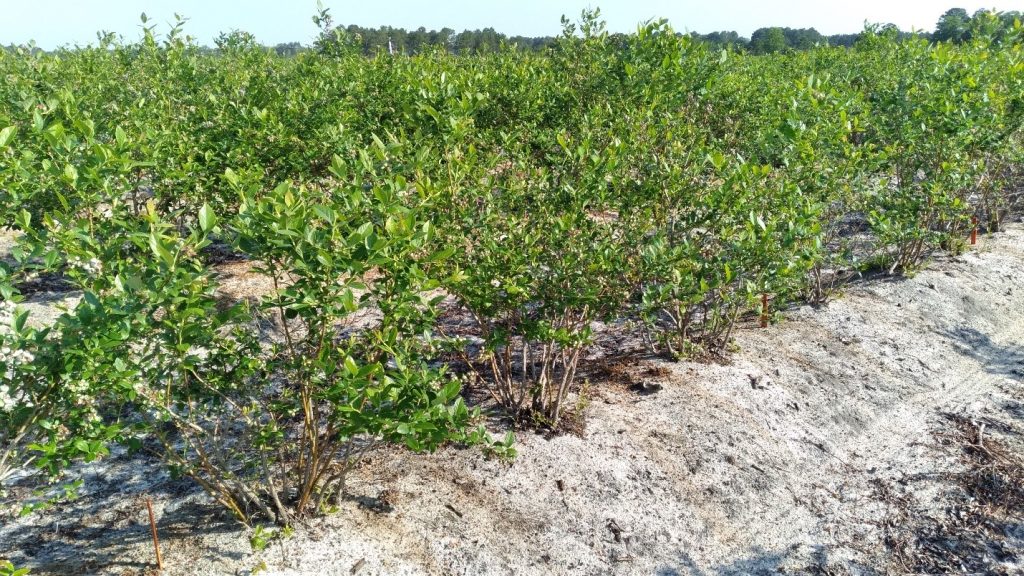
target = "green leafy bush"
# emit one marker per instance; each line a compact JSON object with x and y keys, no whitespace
{"x":613,"y":181}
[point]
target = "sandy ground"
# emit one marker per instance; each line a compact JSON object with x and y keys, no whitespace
{"x":785,"y":461}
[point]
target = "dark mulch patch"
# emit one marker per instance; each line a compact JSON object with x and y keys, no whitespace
{"x":980,"y":528}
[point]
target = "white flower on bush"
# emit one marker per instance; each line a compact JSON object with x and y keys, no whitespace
{"x":92,"y":416}
{"x":79,"y":390}
{"x":7,"y":310}
{"x":92,"y":267}
{"x":11,"y":400}
{"x":141,"y":388}
{"x":201,"y":352}
{"x":7,"y":402}
{"x":8,"y":356}
{"x":496,"y":283}
{"x":11,"y":359}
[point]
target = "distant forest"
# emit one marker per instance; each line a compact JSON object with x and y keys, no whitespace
{"x":955,"y":25}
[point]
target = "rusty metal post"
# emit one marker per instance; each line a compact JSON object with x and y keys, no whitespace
{"x":152,"y":527}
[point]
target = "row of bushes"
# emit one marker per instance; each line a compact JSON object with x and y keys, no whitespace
{"x":650,"y":180}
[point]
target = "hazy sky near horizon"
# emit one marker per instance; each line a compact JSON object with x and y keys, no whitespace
{"x":54,"y":23}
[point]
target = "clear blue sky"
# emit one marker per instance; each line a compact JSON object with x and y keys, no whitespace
{"x":61,"y":22}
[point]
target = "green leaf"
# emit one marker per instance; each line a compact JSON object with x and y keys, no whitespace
{"x":19,"y":320}
{"x":7,"y":134}
{"x":157,"y":245}
{"x":207,"y":219}
{"x":91,"y":299}
{"x":351,"y":367}
{"x":24,"y":220}
{"x":338,"y":168}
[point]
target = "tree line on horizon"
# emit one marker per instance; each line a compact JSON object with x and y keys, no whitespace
{"x":955,"y":25}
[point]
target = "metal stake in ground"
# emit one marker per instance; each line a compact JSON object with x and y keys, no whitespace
{"x":974,"y":231}
{"x":152,"y":527}
{"x":764,"y":310}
